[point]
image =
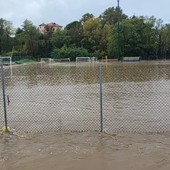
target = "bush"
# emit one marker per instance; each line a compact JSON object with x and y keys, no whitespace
{"x":16,"y":53}
{"x":71,"y":53}
{"x":24,"y":61}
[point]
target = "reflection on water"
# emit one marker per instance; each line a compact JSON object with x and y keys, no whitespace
{"x":88,"y":74}
{"x":66,"y":97}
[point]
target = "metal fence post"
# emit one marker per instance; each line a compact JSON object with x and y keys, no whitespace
{"x":4,"y":96}
{"x":101,"y":104}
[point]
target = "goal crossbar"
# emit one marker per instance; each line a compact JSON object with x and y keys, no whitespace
{"x":6,"y":63}
{"x":51,"y":60}
{"x":46,"y":60}
{"x":82,"y":59}
{"x":60,"y":60}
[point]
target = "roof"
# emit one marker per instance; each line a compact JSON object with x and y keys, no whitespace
{"x":42,"y":24}
{"x":53,"y":24}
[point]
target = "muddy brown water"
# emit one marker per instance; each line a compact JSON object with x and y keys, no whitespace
{"x":65,"y":97}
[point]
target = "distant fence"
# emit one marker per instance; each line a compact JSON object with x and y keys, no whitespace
{"x":18,"y":58}
{"x":110,"y":98}
{"x":6,"y":59}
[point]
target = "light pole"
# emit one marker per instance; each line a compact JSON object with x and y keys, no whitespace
{"x":118,"y":33}
{"x":118,"y":3}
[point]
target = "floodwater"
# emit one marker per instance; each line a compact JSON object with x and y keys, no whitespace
{"x":66,"y":97}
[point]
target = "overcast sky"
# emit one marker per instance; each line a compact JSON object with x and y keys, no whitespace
{"x":66,"y":11}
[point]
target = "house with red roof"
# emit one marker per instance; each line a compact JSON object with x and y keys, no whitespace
{"x":44,"y":28}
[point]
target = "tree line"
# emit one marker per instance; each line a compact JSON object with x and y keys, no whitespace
{"x":112,"y":33}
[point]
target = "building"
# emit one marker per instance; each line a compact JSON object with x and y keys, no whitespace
{"x":44,"y":28}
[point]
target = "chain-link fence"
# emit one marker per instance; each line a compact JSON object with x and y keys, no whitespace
{"x":131,"y":97}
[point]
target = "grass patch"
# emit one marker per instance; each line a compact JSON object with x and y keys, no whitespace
{"x":24,"y":61}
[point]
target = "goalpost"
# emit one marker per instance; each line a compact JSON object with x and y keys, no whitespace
{"x":50,"y":60}
{"x":104,"y":58}
{"x":60,"y":60}
{"x":93,"y":59}
{"x":6,"y":60}
{"x":83,"y":59}
{"x":45,"y":60}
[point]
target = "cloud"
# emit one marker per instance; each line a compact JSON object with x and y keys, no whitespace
{"x":17,"y":11}
{"x":66,"y":11}
{"x":38,"y":11}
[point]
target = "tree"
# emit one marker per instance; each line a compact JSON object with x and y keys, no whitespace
{"x":165,"y":41}
{"x":68,"y":52}
{"x":75,"y":32}
{"x":31,"y":38}
{"x":6,"y":32}
{"x":138,"y":38}
{"x":111,"y":45}
{"x":45,"y":45}
{"x":111,"y":16}
{"x":19,"y":42}
{"x":86,"y":17}
{"x":92,"y":35}
{"x":60,"y":38}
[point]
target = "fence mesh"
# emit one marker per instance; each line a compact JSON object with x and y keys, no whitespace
{"x":137,"y":97}
{"x":66,"y":97}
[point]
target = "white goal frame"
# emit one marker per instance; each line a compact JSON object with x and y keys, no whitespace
{"x":84,"y":59}
{"x":93,"y":59}
{"x":47,"y":59}
{"x":10,"y":60}
{"x":60,"y":60}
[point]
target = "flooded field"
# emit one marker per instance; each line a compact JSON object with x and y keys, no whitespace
{"x":66,"y":97}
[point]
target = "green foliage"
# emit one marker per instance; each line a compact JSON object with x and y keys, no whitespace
{"x":111,"y":45}
{"x":137,"y":37}
{"x":92,"y":35}
{"x":71,"y":53}
{"x":86,"y":17}
{"x":111,"y":34}
{"x":111,"y":16}
{"x":164,"y":42}
{"x":75,"y":33}
{"x":16,"y":53}
{"x":24,"y":61}
{"x":60,"y":39}
{"x":27,"y":39}
{"x":98,"y":54}
{"x":6,"y":31}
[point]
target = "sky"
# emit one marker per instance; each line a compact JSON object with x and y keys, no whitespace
{"x":65,"y":11}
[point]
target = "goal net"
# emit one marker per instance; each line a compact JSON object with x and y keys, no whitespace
{"x":61,"y":60}
{"x":93,"y":59}
{"x":6,"y":60}
{"x":82,"y":59}
{"x":45,"y":60}
{"x":50,"y":60}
